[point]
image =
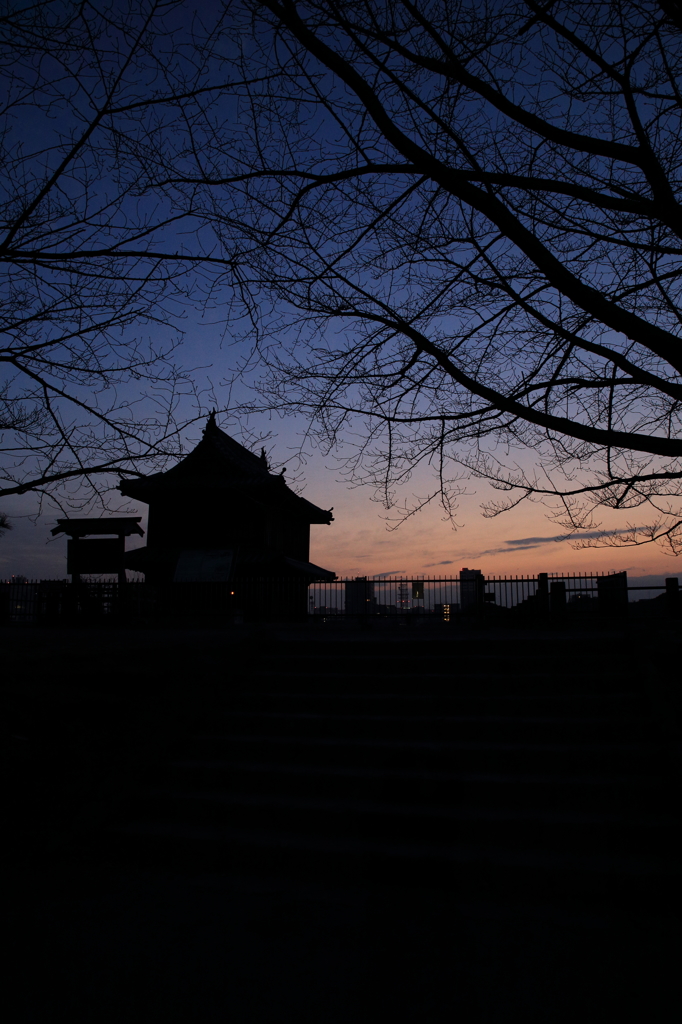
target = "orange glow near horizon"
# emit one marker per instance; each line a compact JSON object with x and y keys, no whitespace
{"x":360,"y":542}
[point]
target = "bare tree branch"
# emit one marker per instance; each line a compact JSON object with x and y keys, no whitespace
{"x":461,"y":225}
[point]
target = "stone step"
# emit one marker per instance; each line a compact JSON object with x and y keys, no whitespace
{"x":511,"y":706}
{"x":457,"y":646}
{"x":519,"y":729}
{"x":416,"y":667}
{"x":449,"y":678}
{"x":472,"y":869}
{"x":455,"y":755}
{"x":600,"y":651}
{"x":538,"y":828}
{"x":482,"y":789}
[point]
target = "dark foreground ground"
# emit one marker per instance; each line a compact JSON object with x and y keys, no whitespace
{"x":269,"y":913}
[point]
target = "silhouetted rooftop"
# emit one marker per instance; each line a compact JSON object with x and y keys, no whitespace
{"x":123,"y":526}
{"x":221,"y":464}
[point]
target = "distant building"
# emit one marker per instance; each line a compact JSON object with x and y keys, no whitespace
{"x":220,"y":515}
{"x":471,"y":588}
{"x":359,"y":597}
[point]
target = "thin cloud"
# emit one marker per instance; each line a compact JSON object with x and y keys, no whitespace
{"x":391,"y":572}
{"x":589,"y":535}
{"x":508,"y":551}
{"x":528,"y":543}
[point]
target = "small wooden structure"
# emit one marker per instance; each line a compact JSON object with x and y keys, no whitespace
{"x":104,"y":555}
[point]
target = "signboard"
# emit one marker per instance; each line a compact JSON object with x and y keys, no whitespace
{"x":95,"y":556}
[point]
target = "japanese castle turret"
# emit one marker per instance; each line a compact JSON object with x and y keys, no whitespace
{"x":220,"y":515}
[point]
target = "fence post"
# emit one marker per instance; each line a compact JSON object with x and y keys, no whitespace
{"x":557,"y":597}
{"x":612,"y":594}
{"x":672,"y":595}
{"x":543,"y":593}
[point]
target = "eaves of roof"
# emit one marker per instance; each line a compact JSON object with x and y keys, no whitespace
{"x":220,"y":465}
{"x":270,"y":493}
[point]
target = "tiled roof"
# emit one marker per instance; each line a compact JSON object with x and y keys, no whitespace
{"x":219,"y":463}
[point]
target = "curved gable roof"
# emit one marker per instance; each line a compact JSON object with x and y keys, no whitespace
{"x":221,"y":464}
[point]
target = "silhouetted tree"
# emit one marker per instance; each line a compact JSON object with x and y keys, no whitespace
{"x":468,"y":216}
{"x":88,"y":264}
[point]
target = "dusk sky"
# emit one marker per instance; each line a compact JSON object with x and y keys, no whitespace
{"x":360,"y":541}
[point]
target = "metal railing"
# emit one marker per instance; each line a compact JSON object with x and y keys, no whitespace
{"x":448,"y":596}
{"x":260,"y":599}
{"x":61,"y":602}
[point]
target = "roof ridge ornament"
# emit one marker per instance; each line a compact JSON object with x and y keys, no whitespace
{"x":210,"y":422}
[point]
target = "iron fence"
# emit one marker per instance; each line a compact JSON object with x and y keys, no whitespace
{"x":448,"y":596}
{"x":59,"y":601}
{"x":256,"y":599}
